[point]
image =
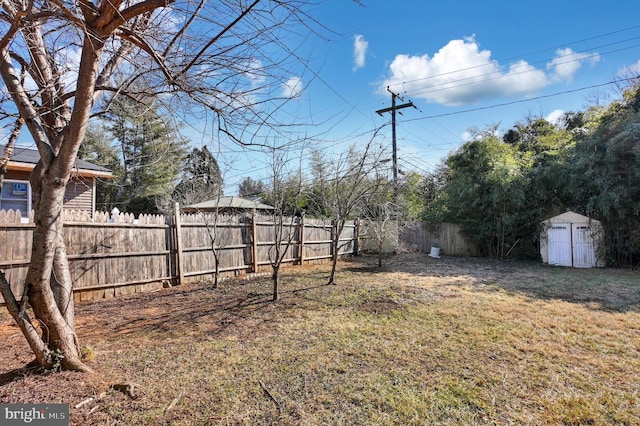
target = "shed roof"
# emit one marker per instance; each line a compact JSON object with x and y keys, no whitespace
{"x":229,"y":202}
{"x":570,"y":217}
{"x":26,"y":159}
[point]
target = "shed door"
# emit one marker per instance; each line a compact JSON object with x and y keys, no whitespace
{"x":559,"y":240}
{"x":584,"y":255}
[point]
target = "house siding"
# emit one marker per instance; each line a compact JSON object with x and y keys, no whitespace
{"x":78,"y":194}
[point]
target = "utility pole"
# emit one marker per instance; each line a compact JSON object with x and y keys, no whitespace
{"x":393,"y":109}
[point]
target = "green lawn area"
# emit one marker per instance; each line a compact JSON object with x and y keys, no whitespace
{"x":452,"y":341}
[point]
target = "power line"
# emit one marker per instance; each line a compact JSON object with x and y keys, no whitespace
{"x":519,"y":101}
{"x":353,"y":108}
{"x":468,"y":111}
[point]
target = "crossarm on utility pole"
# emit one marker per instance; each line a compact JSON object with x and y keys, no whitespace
{"x":392,"y":108}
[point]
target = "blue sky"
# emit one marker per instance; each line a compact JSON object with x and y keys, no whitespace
{"x":463,"y":64}
{"x":456,"y":61}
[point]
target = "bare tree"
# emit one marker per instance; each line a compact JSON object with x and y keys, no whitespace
{"x":286,"y":190}
{"x":380,"y":223}
{"x":203,"y":182}
{"x":218,"y":237}
{"x":353,"y":180}
{"x":59,"y":58}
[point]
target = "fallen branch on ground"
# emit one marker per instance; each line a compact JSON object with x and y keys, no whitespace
{"x":271,"y":397}
{"x":80,"y":404}
{"x":173,"y":403}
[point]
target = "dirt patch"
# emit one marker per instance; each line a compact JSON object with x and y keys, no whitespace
{"x":384,"y":306}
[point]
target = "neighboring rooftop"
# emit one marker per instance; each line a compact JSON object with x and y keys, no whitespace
{"x":238,"y":203}
{"x":28,"y":156}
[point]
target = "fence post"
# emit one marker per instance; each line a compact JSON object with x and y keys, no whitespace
{"x":301,"y":239}
{"x":356,"y":237}
{"x":178,"y":239}
{"x":254,"y":243}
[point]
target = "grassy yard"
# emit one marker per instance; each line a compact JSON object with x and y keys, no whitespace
{"x":452,"y":341}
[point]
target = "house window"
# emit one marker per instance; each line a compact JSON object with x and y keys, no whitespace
{"x":16,"y":195}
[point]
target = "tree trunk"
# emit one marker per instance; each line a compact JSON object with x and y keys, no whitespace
{"x":334,"y":263}
{"x":58,"y":128}
{"x":216,"y":274}
{"x":274,"y":279}
{"x":62,"y":284}
{"x":48,"y":284}
{"x":337,"y":228}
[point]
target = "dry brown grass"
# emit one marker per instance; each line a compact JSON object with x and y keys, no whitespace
{"x":420,"y":341}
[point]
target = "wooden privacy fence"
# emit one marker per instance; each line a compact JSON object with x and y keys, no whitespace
{"x":446,"y":236}
{"x":416,"y":236}
{"x":114,"y":255}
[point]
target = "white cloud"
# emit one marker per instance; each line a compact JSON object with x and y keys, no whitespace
{"x":360,"y":46}
{"x":566,"y":63}
{"x":630,"y":71}
{"x":292,"y":88}
{"x":254,"y":72}
{"x":554,"y":116}
{"x":462,"y":73}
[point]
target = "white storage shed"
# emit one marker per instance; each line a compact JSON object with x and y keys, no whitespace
{"x":571,"y":239}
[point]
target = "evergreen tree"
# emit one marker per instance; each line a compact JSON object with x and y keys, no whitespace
{"x":97,"y":148}
{"x":500,"y":188}
{"x":201,"y":178}
{"x":252,"y":188}
{"x":152,"y":153}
